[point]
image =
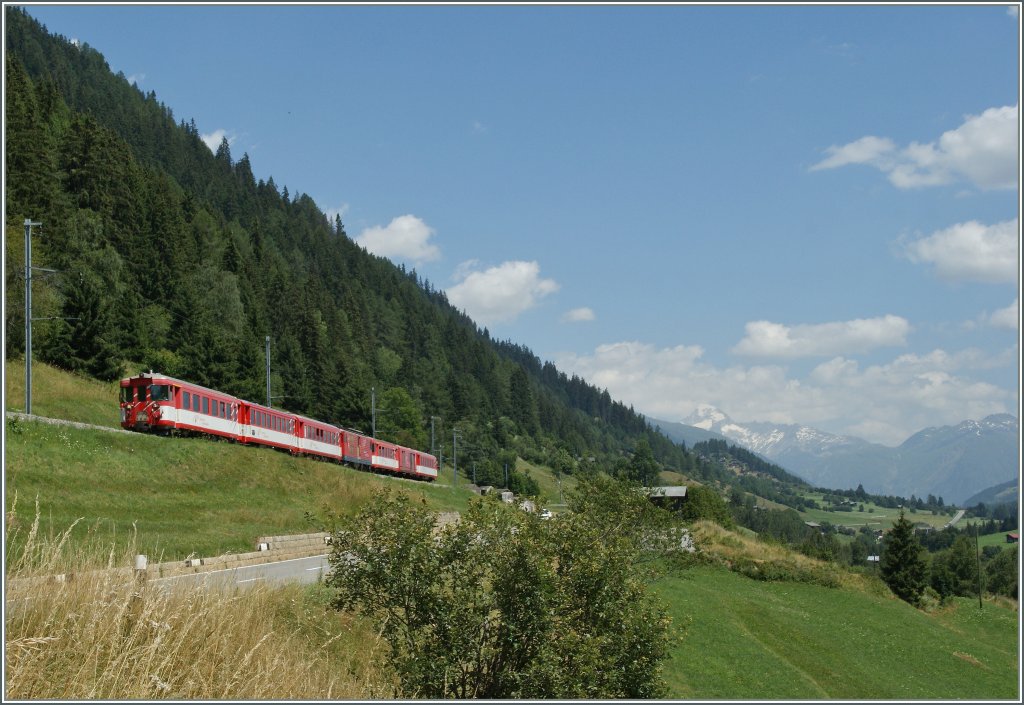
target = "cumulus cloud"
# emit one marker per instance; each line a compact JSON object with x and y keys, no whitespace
{"x":578,"y":315}
{"x":970,"y":251}
{"x":404,"y":238}
{"x":883,"y":403}
{"x":499,"y":294}
{"x":214,"y":139}
{"x":767,"y":339}
{"x":983,"y":151}
{"x":1008,"y":317}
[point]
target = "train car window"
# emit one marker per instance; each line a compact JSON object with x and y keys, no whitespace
{"x":223,"y":413}
{"x":195,"y":403}
{"x":206,"y":405}
{"x":160,"y":392}
{"x":186,"y":400}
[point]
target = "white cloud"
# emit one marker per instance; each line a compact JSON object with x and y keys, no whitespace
{"x":340,"y":211}
{"x":499,"y":294}
{"x":882,"y":403}
{"x":1008,"y":317}
{"x":866,"y":150}
{"x":405,"y":238}
{"x":767,"y":339}
{"x":136,"y":78}
{"x":1013,"y":11}
{"x":214,"y":139}
{"x":983,"y":151}
{"x":578,"y":315}
{"x":970,"y":251}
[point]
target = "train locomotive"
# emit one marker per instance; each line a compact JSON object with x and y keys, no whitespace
{"x":155,"y":403}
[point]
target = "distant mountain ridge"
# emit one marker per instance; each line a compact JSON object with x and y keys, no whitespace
{"x":952,"y":462}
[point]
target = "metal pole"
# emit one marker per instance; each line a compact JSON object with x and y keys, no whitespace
{"x":28,"y":314}
{"x":432,"y":435}
{"x":268,"y":370}
{"x":373,"y":412}
{"x":455,"y":462}
{"x":977,"y":553}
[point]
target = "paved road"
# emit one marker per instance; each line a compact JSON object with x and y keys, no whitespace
{"x":955,"y":519}
{"x":301,"y":570}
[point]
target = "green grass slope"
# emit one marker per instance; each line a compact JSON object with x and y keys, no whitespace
{"x":61,"y":395}
{"x":182,"y":495}
{"x":748,"y":639}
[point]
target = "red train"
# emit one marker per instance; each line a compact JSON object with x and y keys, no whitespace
{"x":155,"y":403}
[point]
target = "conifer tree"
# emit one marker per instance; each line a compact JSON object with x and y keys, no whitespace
{"x":903,"y":565}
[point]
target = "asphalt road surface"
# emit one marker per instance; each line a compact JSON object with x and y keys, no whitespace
{"x":300,"y":570}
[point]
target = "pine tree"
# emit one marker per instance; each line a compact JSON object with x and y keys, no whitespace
{"x":903,"y":565}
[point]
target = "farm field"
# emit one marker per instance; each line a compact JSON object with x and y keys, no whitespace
{"x":873,"y":515}
{"x":748,"y":639}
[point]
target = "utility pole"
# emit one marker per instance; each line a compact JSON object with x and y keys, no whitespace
{"x":977,"y":553}
{"x":268,"y":370}
{"x":28,"y":314}
{"x":373,"y":412}
{"x":455,"y":462}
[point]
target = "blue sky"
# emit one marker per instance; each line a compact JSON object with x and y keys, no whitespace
{"x":795,"y":214}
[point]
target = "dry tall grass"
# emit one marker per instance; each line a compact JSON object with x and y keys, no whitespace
{"x":99,"y":632}
{"x":756,"y":558}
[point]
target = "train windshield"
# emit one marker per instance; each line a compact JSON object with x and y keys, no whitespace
{"x":127,"y":393}
{"x":161,"y":392}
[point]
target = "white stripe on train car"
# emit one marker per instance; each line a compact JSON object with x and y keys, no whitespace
{"x":385,"y":462}
{"x":424,"y":470}
{"x":265,"y":434}
{"x":311,"y":446}
{"x":203,"y":421}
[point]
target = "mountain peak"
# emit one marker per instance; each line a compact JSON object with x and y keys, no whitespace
{"x":706,"y":416}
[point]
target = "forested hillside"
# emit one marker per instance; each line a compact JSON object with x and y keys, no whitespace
{"x":180,"y":260}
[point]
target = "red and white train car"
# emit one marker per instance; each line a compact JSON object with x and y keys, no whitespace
{"x":155,"y":403}
{"x":318,"y":438}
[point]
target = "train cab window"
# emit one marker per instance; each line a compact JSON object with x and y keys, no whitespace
{"x":160,"y":392}
{"x":206,"y":405}
{"x":127,"y":393}
{"x":186,"y":400}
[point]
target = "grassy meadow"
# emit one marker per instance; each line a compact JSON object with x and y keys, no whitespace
{"x":183,"y":495}
{"x":750,"y":639}
{"x":873,"y":515}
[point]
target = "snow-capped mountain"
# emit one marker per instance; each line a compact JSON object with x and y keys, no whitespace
{"x":953,"y":462}
{"x":767,"y":439}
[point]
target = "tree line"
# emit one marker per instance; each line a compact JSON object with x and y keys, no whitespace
{"x":176,"y":258}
